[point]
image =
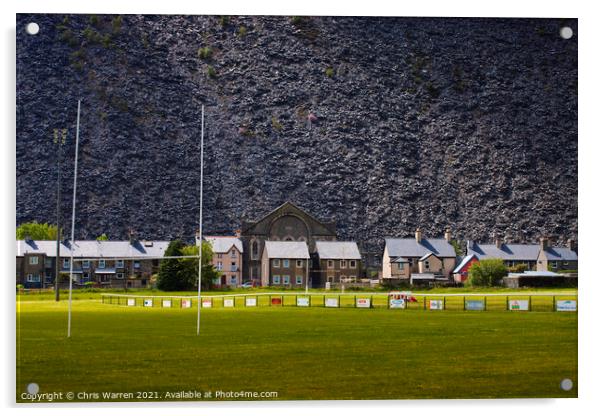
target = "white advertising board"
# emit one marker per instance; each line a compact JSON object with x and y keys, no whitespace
{"x":331,"y":302}
{"x":362,"y":303}
{"x":397,"y":303}
{"x":251,"y":302}
{"x":436,"y":305}
{"x":228,"y":303}
{"x":166,"y":303}
{"x":566,"y":305}
{"x":518,"y":305}
{"x":131,"y":302}
{"x":207,"y":303}
{"x":148,"y":302}
{"x":475,"y":305}
{"x":302,"y":301}
{"x":186,"y":303}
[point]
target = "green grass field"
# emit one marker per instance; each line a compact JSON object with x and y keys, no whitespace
{"x":300,"y":353}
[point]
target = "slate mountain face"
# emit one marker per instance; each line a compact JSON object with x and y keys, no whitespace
{"x":467,"y":123}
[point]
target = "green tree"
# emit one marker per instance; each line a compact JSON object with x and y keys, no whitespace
{"x":191,"y":266}
{"x":487,"y":272}
{"x":36,"y":231}
{"x":457,"y":247}
{"x":169,"y":278}
{"x":102,"y":237}
{"x":182,"y":274}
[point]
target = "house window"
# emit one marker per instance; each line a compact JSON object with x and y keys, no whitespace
{"x":233,"y":267}
{"x":33,"y":260}
{"x":233,"y":253}
{"x":86,"y":276}
{"x":86,"y":264}
{"x":330,"y":279}
{"x":276,"y":279}
{"x":33,"y":278}
{"x":286,"y":279}
{"x":299,"y":280}
{"x":119,"y":264}
{"x":331,"y":264}
{"x":219,"y":255}
{"x":427,"y":265}
{"x":352,"y":278}
{"x":254,"y":249}
{"x":566,"y":263}
{"x":48,"y":262}
{"x":285,"y":263}
{"x":220,"y":265}
{"x":233,"y":280}
{"x":136,"y":264}
{"x":101,"y":264}
{"x":120,"y":275}
{"x":554,"y":264}
{"x":352,"y":264}
{"x":276,"y":262}
{"x":299,"y":263}
{"x":65,"y":263}
{"x":343,"y":264}
{"x":410,"y":262}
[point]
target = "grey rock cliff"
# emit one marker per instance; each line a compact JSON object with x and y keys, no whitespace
{"x":470,"y":123}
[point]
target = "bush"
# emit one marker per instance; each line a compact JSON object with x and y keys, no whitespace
{"x":277,"y":125}
{"x":224,"y":21}
{"x":205,"y":53}
{"x":211,"y":72}
{"x":487,"y":272}
{"x":117,"y":22}
{"x":94,"y":21}
{"x":329,"y":72}
{"x":518,"y":268}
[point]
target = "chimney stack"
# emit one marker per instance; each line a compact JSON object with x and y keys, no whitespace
{"x":498,"y":242}
{"x":570,"y":243}
{"x":448,"y":235}
{"x":132,"y":236}
{"x":237,"y":232}
{"x":418,"y":235}
{"x":543,"y":243}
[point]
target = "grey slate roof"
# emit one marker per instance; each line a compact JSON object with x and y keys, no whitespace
{"x":560,"y":253}
{"x":224,"y":244}
{"x":286,"y":250}
{"x":94,"y":249}
{"x":408,"y":247}
{"x":338,"y":250}
{"x":515,"y":252}
{"x":527,"y":252}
